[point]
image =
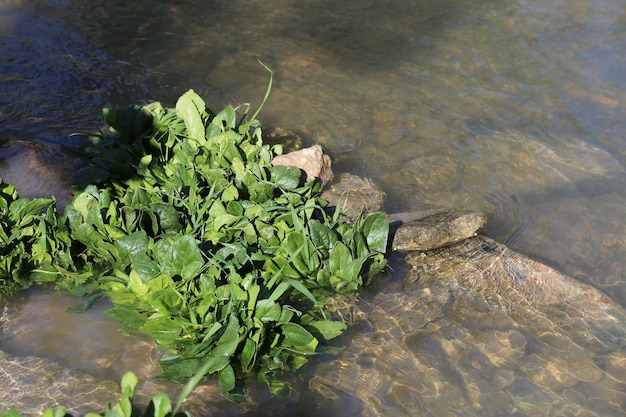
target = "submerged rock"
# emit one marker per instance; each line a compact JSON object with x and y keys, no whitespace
{"x":354,"y":194}
{"x":477,"y":329}
{"x":290,"y":141}
{"x":509,"y":280}
{"x":438,"y":230}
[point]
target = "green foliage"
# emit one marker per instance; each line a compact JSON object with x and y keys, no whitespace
{"x":198,"y":241}
{"x":25,"y":244}
{"x":160,"y":405}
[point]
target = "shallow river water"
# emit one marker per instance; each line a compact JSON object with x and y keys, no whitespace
{"x":514,"y":107}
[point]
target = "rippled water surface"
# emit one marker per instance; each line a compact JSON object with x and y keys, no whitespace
{"x":513,"y":107}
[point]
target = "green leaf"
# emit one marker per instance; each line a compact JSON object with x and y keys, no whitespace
{"x":297,"y":246}
{"x":340,"y":257}
{"x":129,"y":383}
{"x":179,"y":256}
{"x":326,"y":329}
{"x":230,"y":193}
{"x":137,"y":285}
{"x":226,"y":379}
{"x":226,"y":119}
{"x":376,"y":228}
{"x":191,"y":108}
{"x":144,"y":266}
{"x":131,"y":122}
{"x":248,"y":355}
{"x":127,"y":316}
{"x":23,"y":208}
{"x":12,"y":412}
{"x":211,"y":365}
{"x":278,"y":388}
{"x":169,"y":218}
{"x":55,"y":412}
{"x":85,"y":203}
{"x":228,"y":342}
{"x":322,"y":235}
{"x":161,"y":405}
{"x":287,"y":178}
{"x":267,"y":311}
{"x":298,"y":338}
{"x":132,"y":244}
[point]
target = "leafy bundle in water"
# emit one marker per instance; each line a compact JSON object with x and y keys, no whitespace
{"x":25,"y":244}
{"x":200,"y":242}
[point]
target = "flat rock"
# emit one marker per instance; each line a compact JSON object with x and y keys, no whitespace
{"x":438,"y":230}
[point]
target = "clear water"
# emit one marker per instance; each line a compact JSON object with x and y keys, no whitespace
{"x":513,"y":107}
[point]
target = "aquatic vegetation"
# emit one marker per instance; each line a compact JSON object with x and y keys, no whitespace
{"x":198,"y":241}
{"x":24,"y":245}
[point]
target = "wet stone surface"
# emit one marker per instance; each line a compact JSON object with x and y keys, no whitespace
{"x":356,"y":194}
{"x":438,"y":230}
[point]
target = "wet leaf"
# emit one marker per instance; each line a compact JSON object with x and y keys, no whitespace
{"x":326,"y":329}
{"x":130,"y":122}
{"x":298,"y":338}
{"x":267,"y":311}
{"x":287,"y":178}
{"x":191,"y":109}
{"x":161,"y":405}
{"x":226,"y":378}
{"x":376,"y":228}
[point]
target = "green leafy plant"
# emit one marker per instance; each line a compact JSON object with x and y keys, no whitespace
{"x":26,"y":246}
{"x":198,"y":241}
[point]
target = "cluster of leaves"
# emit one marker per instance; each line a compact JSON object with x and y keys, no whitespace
{"x":198,"y":241}
{"x":25,"y":247}
{"x":160,"y":405}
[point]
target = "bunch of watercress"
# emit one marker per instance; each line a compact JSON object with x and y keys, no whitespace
{"x":198,"y":241}
{"x":28,"y":232}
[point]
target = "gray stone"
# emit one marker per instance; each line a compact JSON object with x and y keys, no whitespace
{"x":438,"y":230}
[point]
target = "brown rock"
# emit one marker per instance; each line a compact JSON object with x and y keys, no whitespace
{"x":354,"y":194}
{"x":311,"y":160}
